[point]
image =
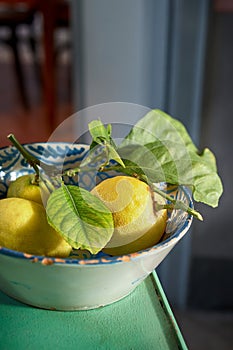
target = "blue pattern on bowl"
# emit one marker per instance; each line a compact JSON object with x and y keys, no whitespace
{"x":67,"y":155}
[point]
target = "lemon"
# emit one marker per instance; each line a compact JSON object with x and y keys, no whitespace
{"x":24,"y":227}
{"x":25,"y":187}
{"x":137,"y":224}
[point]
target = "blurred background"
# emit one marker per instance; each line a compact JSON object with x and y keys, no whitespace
{"x":57,"y":57}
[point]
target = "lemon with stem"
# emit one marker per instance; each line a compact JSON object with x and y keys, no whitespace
{"x":25,"y":186}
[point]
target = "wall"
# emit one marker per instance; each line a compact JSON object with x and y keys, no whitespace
{"x":212,"y":243}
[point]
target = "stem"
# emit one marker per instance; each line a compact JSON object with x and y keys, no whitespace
{"x":177,"y":204}
{"x":47,"y":183}
{"x":33,"y":161}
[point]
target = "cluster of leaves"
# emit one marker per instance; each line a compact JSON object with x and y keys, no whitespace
{"x":157,"y":149}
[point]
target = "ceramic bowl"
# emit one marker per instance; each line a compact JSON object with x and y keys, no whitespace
{"x":81,"y":281}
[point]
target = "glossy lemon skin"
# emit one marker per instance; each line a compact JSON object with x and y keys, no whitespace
{"x":137,"y":224}
{"x":24,"y":227}
{"x":25,"y":187}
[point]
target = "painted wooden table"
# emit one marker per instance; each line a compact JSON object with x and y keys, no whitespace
{"x":142,"y":320}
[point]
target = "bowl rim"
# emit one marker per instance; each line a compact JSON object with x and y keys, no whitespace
{"x":104,"y":259}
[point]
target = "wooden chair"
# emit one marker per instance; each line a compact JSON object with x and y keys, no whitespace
{"x":12,"y":15}
{"x":54,"y":13}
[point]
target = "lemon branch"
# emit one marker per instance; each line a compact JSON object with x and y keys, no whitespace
{"x":129,"y":170}
{"x":173,"y":203}
{"x":33,"y":161}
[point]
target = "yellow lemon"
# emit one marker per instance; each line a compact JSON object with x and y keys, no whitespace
{"x":25,"y":187}
{"x":137,"y":223}
{"x":24,"y":227}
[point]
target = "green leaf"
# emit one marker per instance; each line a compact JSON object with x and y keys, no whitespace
{"x":102,"y":145}
{"x":80,"y":217}
{"x":98,"y":132}
{"x":161,"y":147}
{"x":156,"y":124}
{"x":113,"y":155}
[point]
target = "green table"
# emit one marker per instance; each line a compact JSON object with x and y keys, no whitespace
{"x":142,"y":320}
